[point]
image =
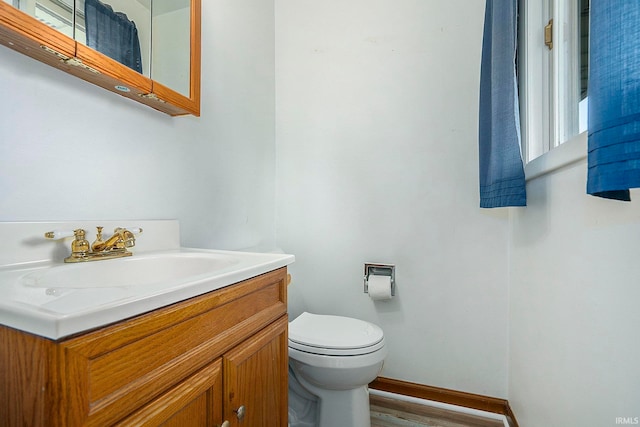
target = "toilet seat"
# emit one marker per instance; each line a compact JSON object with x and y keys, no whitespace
{"x":334,"y":335}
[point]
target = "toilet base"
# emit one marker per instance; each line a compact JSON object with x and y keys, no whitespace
{"x":303,"y":406}
{"x":345,"y":408}
{"x":340,"y":407}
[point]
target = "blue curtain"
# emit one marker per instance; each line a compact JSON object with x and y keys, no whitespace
{"x":502,"y":181}
{"x":614,"y":99}
{"x":112,"y":34}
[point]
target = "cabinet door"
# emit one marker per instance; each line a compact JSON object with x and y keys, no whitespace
{"x":255,"y":379}
{"x":197,"y":402}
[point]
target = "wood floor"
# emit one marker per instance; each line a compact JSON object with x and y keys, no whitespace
{"x":388,"y":412}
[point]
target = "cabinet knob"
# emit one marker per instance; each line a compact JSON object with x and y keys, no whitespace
{"x":225,"y":424}
{"x":240,"y":412}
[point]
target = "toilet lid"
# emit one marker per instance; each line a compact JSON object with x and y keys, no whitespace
{"x":334,"y":335}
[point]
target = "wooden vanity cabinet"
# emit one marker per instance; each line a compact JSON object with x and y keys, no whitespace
{"x":194,"y":363}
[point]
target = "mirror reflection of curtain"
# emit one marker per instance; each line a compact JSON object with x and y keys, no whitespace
{"x":112,"y":34}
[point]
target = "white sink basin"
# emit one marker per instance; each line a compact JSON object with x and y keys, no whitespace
{"x":131,"y":271}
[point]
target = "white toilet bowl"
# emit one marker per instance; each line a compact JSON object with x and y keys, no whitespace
{"x":334,"y":358}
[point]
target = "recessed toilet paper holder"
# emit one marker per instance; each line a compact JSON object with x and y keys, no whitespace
{"x":371,"y":269}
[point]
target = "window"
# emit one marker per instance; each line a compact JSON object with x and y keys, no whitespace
{"x":552,"y":72}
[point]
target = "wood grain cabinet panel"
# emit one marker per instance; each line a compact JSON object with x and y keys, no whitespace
{"x":255,"y":379}
{"x":195,"y":402}
{"x":167,"y":367}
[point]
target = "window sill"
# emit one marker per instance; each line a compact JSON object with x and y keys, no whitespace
{"x":572,"y":151}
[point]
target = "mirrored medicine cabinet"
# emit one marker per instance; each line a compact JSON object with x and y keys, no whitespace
{"x":145,"y":50}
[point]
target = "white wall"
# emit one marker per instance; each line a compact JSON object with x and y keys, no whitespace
{"x":377,"y":161}
{"x":575,"y":298}
{"x":69,"y":150}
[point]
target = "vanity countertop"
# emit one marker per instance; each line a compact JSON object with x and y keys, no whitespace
{"x":37,"y":299}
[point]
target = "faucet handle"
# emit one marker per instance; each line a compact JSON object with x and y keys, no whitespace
{"x":59,"y":234}
{"x":127,"y":236}
{"x":79,"y":246}
{"x":132,"y":230}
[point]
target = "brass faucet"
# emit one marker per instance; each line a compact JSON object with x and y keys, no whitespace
{"x":114,"y":247}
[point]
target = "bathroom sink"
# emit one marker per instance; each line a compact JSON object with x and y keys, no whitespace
{"x":42,"y":295}
{"x":136,"y":271}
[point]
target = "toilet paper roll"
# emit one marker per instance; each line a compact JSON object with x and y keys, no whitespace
{"x":379,"y":287}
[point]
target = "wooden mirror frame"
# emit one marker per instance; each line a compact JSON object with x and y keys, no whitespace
{"x":25,"y":34}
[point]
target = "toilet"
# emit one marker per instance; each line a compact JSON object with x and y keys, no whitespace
{"x":332,"y":359}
